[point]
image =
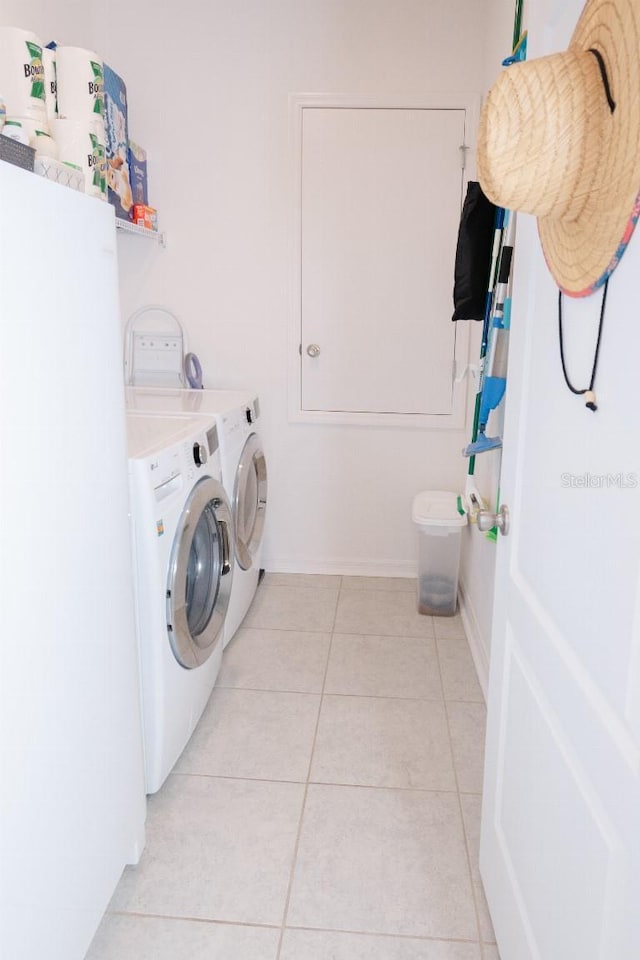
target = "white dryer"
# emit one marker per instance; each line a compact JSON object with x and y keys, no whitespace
{"x":182,"y":531}
{"x":244,"y":468}
{"x":244,"y":473}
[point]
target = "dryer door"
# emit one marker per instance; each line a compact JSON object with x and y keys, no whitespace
{"x":200,"y":574}
{"x":250,"y":500}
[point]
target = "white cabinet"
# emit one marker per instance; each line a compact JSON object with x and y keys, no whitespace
{"x":380,"y":191}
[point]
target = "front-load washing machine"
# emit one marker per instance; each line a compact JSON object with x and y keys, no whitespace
{"x":244,"y":473}
{"x":182,"y":533}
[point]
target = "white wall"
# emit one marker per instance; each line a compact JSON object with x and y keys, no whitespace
{"x":477,"y":567}
{"x":208,"y":91}
{"x":68,"y":22}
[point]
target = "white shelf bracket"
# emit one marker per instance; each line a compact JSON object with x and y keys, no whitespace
{"x":125,"y":226}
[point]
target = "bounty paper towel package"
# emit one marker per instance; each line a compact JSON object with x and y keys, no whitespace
{"x":51,"y":83}
{"x":81,"y":142}
{"x":79,"y":84}
{"x":117,"y":144}
{"x":22,"y":83}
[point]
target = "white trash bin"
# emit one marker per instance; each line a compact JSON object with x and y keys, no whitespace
{"x":439,"y":523}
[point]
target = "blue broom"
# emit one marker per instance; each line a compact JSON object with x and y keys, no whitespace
{"x":492,"y":386}
{"x":493,"y":374}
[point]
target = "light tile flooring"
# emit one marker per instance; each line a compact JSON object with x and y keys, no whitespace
{"x":328,"y":804}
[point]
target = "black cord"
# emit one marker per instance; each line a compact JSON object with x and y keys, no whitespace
{"x":591,"y":403}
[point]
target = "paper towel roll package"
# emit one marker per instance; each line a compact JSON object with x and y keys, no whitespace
{"x":80,"y":80}
{"x":38,"y":135}
{"x":82,"y":142}
{"x":50,"y":84}
{"x":22,"y":81}
{"x":44,"y":145}
{"x":117,"y":143}
{"x":31,"y":127}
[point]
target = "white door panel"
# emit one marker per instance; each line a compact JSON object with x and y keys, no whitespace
{"x":381,"y":192}
{"x":531,"y":822}
{"x":560,"y":848}
{"x":560,"y":843}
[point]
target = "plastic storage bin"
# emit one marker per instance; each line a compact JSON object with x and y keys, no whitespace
{"x":439,"y":524}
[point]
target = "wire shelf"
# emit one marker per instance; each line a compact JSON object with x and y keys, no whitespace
{"x":125,"y":226}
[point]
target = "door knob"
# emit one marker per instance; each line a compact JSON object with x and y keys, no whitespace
{"x":313,"y":350}
{"x":487,"y":521}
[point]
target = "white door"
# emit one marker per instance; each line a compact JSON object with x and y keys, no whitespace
{"x":560,"y":848}
{"x":381,"y":196}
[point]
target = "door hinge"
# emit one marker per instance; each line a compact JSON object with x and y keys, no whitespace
{"x":463,"y":155}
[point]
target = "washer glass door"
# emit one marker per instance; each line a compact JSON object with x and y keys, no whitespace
{"x":200,"y":574}
{"x":250,"y":501}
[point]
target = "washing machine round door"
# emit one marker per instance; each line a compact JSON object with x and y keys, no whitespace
{"x":250,"y":500}
{"x":200,"y":574}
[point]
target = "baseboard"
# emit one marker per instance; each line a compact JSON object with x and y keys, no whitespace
{"x":343,"y":568}
{"x":477,"y":643}
{"x":137,"y":847}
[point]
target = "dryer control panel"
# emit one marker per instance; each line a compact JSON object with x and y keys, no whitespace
{"x":236,"y":421}
{"x":252,"y":411}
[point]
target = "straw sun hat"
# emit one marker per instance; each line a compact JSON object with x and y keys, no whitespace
{"x":560,"y":138}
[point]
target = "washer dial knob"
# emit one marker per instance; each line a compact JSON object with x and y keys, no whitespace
{"x":199,"y":454}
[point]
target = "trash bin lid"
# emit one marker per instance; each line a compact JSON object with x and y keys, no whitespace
{"x":437,"y":508}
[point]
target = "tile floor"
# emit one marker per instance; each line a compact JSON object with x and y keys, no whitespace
{"x":328,"y":804}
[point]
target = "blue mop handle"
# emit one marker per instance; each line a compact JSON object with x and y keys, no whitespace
{"x":502,"y":292}
{"x":502,"y":222}
{"x":494,"y":379}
